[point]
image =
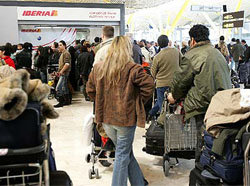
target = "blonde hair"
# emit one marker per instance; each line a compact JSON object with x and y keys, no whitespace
{"x":119,"y":54}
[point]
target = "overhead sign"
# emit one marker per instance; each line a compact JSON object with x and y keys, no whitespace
{"x":233,"y":24}
{"x":68,"y":14}
{"x":40,"y":13}
{"x":202,"y":8}
{"x":233,"y":15}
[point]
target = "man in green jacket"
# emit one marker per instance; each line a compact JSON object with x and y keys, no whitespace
{"x":203,"y":72}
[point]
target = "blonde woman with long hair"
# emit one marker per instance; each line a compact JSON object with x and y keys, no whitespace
{"x":120,"y":88}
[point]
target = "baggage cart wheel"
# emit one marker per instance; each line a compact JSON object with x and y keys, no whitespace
{"x":90,"y":173}
{"x":97,"y":176}
{"x":87,"y":158}
{"x":166,"y":168}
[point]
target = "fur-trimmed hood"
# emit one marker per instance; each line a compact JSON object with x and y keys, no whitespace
{"x":17,"y":89}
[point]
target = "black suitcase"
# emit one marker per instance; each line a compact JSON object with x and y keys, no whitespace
{"x":60,"y":178}
{"x":196,"y":179}
{"x":155,"y":139}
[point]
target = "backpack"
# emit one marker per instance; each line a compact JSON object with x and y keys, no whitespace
{"x":247,"y":82}
{"x":244,"y":72}
{"x":224,"y":155}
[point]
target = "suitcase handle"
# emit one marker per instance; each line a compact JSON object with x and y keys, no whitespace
{"x":248,"y":127}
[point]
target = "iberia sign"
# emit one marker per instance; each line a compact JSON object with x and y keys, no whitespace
{"x":68,"y":14}
{"x":40,"y":13}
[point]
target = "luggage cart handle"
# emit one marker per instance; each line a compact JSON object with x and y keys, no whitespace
{"x":248,"y":127}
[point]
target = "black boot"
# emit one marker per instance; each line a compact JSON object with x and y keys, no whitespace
{"x":67,"y":99}
{"x":61,"y":102}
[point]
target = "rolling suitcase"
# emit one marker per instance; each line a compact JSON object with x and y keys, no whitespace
{"x":60,"y":178}
{"x":154,"y":139}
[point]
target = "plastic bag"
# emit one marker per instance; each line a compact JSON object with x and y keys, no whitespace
{"x":88,"y":129}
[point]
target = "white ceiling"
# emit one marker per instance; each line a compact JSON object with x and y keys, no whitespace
{"x":165,"y":15}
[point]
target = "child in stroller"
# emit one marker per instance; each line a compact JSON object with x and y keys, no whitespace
{"x":52,"y":84}
{"x":53,"y":80}
{"x":102,"y":149}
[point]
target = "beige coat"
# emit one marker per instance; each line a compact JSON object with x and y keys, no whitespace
{"x":103,"y":50}
{"x":165,"y":64}
{"x":225,"y":109}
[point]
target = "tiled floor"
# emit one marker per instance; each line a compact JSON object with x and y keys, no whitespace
{"x":67,"y":142}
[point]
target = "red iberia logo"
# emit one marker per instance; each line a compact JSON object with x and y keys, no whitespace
{"x":40,"y":13}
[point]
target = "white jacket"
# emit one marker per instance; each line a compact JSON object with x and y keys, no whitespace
{"x":102,"y":52}
{"x":146,"y":55}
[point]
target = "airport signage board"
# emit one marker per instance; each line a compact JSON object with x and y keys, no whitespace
{"x":233,"y":24}
{"x":202,"y":8}
{"x":233,"y":15}
{"x":67,"y":14}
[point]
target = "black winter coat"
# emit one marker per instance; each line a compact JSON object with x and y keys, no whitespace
{"x":84,"y":64}
{"x":24,"y":59}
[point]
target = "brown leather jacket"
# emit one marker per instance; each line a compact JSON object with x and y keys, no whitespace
{"x":121,"y":105}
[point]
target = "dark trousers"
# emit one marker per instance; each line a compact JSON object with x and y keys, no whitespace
{"x":200,"y":127}
{"x":84,"y":81}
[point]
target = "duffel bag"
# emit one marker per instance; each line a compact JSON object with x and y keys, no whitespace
{"x":224,"y":155}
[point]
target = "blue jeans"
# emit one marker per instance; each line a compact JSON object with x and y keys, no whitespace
{"x":43,"y":77}
{"x":236,"y":66}
{"x":125,"y":165}
{"x":62,"y":86}
{"x":232,"y":66}
{"x":160,"y":98}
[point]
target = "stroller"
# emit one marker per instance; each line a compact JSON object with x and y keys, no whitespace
{"x":24,"y":151}
{"x":99,"y":146}
{"x":52,"y":82}
{"x":235,"y":79}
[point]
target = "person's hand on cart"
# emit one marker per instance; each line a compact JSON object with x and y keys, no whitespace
{"x":171,"y":99}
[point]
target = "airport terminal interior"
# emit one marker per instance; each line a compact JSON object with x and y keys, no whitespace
{"x":125,"y":92}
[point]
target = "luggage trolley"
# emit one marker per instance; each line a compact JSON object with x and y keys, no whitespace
{"x":246,"y":147}
{"x":24,"y":150}
{"x":180,"y":139}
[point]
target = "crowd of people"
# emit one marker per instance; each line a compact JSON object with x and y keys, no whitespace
{"x":111,"y":68}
